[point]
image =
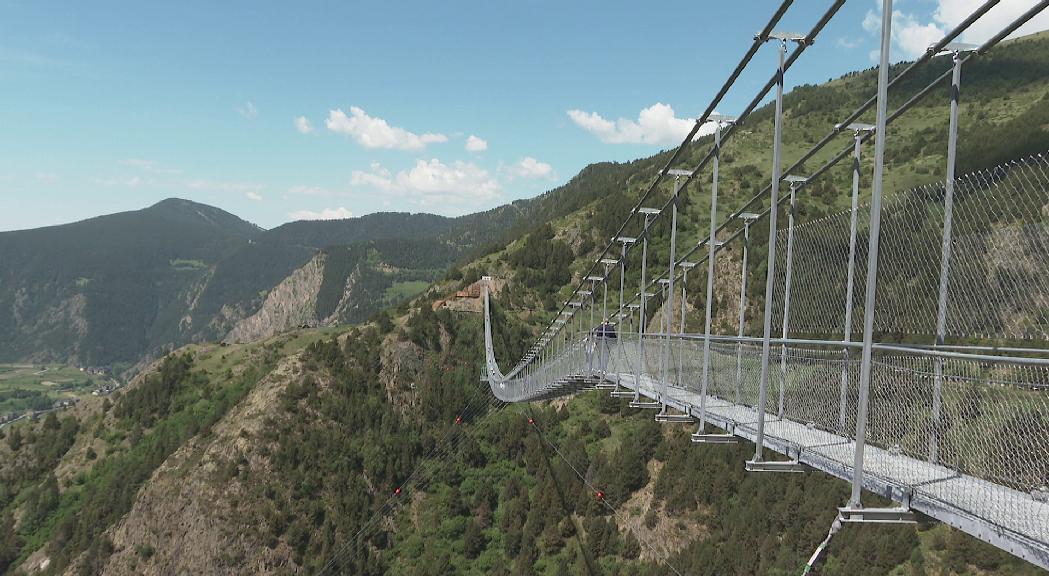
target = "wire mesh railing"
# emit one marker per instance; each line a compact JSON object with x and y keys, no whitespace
{"x":991,"y":441}
{"x":969,"y":432}
{"x":998,"y":272}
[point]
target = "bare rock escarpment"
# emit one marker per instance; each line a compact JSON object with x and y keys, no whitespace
{"x":290,"y":304}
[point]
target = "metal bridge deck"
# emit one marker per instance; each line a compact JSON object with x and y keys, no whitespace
{"x":971,"y":504}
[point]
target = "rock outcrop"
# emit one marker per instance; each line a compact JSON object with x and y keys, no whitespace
{"x":290,"y":304}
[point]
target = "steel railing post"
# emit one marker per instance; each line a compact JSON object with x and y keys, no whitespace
{"x":622,"y":286}
{"x":855,"y":500}
{"x":792,"y":213}
{"x":604,"y":296}
{"x":641,"y":313}
{"x":850,"y":281}
{"x":685,"y":267}
{"x":663,"y":350}
{"x":622,"y":277}
{"x":945,"y":257}
{"x":668,"y":302}
{"x":711,"y":255}
{"x":766,"y":339}
{"x":742,"y":309}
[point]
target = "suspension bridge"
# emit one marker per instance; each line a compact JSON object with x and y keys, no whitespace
{"x":940,"y":405}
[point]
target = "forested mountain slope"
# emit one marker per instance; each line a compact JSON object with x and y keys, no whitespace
{"x":346,"y":443}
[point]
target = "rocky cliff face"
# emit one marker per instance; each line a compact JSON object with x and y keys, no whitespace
{"x":193,"y":516}
{"x":291,"y":303}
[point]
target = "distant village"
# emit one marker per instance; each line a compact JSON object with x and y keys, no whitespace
{"x":102,"y":388}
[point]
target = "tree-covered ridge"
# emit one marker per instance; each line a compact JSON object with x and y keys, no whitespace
{"x":127,"y":439}
{"x":98,"y":289}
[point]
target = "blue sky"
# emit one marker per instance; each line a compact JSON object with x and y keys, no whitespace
{"x":281,"y":111}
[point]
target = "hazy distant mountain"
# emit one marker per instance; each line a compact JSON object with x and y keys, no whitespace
{"x":114,"y":288}
{"x":102,"y":290}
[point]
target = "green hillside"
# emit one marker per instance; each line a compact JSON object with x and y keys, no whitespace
{"x":273,"y":456}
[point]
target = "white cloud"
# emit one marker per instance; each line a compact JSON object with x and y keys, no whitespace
{"x":138,"y":163}
{"x":149,"y":166}
{"x":436,"y":186}
{"x":223,"y":186}
{"x":531,"y":168}
{"x":247,"y":110}
{"x":304,"y":190}
{"x":475,"y":144}
{"x":339,"y":213}
{"x":130,"y":182}
{"x":912,"y":35}
{"x":46,"y":178}
{"x":656,"y":125}
{"x":373,"y":132}
{"x":846,"y":43}
{"x":872,"y":22}
{"x":302,"y":124}
{"x":253,"y":196}
{"x":950,"y":13}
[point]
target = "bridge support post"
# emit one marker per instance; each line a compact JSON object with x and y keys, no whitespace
{"x":795,"y":182}
{"x":855,"y":501}
{"x":668,"y":307}
{"x":747,"y":219}
{"x":631,"y":365}
{"x":685,"y":267}
{"x":858,"y":134}
{"x":712,"y":247}
{"x":955,"y":51}
{"x":642,"y":314}
{"x":591,"y":335}
{"x":770,"y":281}
{"x":624,"y":241}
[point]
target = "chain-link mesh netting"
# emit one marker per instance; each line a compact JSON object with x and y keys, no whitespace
{"x":970,"y":432}
{"x":998,"y":280}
